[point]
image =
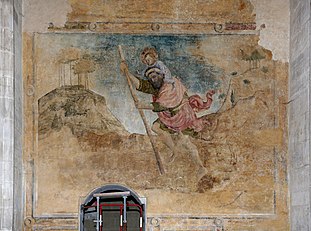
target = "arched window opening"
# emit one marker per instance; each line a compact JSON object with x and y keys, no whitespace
{"x":113,"y":208}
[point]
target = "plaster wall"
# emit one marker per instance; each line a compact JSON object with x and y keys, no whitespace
{"x":261,"y":25}
{"x":272,"y":15}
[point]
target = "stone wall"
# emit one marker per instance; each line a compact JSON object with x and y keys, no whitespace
{"x":7,"y":116}
{"x":11,"y":203}
{"x":299,"y":115}
{"x":18,"y":119}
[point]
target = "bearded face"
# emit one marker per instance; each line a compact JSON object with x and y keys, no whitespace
{"x":156,"y":80}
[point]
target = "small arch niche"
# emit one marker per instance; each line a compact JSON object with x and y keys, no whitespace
{"x":113,"y":208}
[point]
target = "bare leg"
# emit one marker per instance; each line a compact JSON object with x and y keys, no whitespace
{"x":166,"y":138}
{"x":186,"y":143}
{"x":193,"y":151}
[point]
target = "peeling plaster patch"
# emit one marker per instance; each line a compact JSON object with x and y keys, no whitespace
{"x":275,"y":36}
{"x":38,"y":14}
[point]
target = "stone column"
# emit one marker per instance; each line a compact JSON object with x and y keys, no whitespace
{"x":18,"y":117}
{"x":10,"y":117}
{"x":299,"y":116}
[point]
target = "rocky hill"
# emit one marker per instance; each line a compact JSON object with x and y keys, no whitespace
{"x":83,"y":111}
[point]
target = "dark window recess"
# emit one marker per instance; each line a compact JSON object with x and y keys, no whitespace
{"x":113,"y":208}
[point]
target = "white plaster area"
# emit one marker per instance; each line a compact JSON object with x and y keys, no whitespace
{"x":38,"y":14}
{"x":275,"y":36}
{"x":273,"y":13}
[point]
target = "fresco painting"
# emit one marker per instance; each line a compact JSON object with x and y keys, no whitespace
{"x":223,"y":166}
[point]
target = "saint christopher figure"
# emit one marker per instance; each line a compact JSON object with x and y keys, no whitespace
{"x":175,"y":109}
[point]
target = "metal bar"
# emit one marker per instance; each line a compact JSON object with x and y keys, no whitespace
{"x":120,"y":205}
{"x":140,"y":223}
{"x":111,"y":205}
{"x":100,"y":217}
{"x":140,"y":218}
{"x":97,"y":221}
{"x":124,"y":211}
{"x":112,"y":194}
{"x":121,"y":220}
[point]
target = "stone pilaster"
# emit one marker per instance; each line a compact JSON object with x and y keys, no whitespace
{"x":299,"y":115}
{"x":10,"y":116}
{"x":18,"y":117}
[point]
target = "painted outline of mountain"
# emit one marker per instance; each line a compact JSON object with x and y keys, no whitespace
{"x":80,"y":109}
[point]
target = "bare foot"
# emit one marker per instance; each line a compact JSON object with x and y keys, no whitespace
{"x":201,"y":172}
{"x":172,"y":157}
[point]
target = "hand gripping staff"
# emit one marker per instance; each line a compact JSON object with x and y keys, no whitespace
{"x":143,"y":117}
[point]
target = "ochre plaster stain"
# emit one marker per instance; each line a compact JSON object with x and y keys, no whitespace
{"x":165,"y":11}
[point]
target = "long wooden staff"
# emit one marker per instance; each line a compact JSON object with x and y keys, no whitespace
{"x":142,"y":115}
